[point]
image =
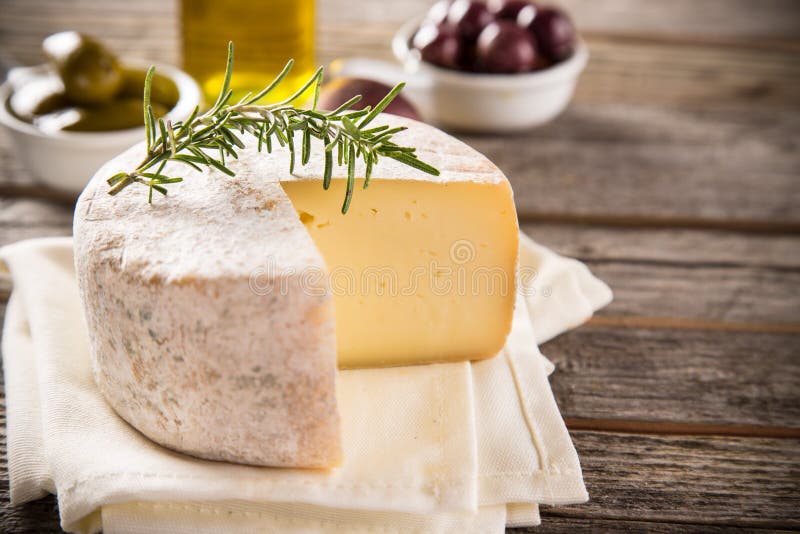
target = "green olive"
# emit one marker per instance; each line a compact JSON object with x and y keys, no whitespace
{"x":118,"y":115}
{"x":90,"y":72}
{"x":163,"y":90}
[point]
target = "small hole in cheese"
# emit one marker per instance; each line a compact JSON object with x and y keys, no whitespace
{"x":306,"y":218}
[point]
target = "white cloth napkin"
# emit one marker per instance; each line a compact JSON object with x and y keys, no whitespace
{"x":438,"y":448}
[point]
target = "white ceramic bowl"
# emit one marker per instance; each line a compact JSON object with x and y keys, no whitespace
{"x":67,"y":160}
{"x":470,"y":101}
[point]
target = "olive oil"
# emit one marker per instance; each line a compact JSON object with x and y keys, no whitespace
{"x":266,"y":33}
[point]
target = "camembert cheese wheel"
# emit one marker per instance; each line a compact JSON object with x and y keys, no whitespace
{"x":217,"y":315}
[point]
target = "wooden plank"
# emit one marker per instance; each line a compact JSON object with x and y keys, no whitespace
{"x":627,"y":164}
{"x":552,"y":523}
{"x":146,"y":29}
{"x":674,"y":376}
{"x":714,"y":481}
{"x":749,"y":282}
{"x":649,"y":71}
{"x":724,"y":18}
{"x":668,"y":246}
{"x":37,"y":517}
{"x":713,"y":294}
{"x":24,"y":213}
{"x":715,"y":18}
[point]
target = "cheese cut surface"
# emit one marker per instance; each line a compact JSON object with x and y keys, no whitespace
{"x":213,"y":314}
{"x":419,"y":271}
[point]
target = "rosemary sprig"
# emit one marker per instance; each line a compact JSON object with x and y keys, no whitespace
{"x":207,"y":139}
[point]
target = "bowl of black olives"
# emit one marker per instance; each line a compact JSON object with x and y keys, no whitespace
{"x":499,"y":65}
{"x":84,"y":106}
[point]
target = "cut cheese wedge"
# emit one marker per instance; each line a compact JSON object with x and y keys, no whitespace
{"x":216,"y":315}
{"x":419,"y":271}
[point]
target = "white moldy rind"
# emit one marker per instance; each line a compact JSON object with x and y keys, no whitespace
{"x":182,"y":346}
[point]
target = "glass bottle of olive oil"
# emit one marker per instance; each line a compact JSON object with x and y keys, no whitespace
{"x":266,"y":34}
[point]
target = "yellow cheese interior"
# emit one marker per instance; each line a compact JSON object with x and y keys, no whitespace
{"x":420,"y":272}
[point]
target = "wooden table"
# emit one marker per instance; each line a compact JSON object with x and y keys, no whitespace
{"x":675,"y":175}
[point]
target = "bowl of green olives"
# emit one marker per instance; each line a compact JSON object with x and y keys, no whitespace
{"x":83,"y":107}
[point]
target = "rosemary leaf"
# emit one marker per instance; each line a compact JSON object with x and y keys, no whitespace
{"x":376,"y":130}
{"x":116,"y":178}
{"x":382,"y":104}
{"x":219,"y":165}
{"x":164,"y":139}
{"x":268,"y":89}
{"x":316,"y":92}
{"x":261,"y":131}
{"x":227,"y":81}
{"x":184,"y":158}
{"x":351,"y":179}
{"x":316,"y":78}
{"x":165,"y":180}
{"x":368,"y":171}
{"x":290,"y":142}
{"x":350,"y":128}
{"x":329,"y":145}
{"x":344,"y":107}
{"x":148,"y":87}
{"x":306,"y":146}
{"x":152,"y":125}
{"x":411,"y":161}
{"x":326,"y":177}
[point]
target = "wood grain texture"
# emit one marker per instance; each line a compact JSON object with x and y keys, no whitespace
{"x":691,"y":279}
{"x":710,"y":18}
{"x":15,"y":213}
{"x":717,"y":378}
{"x":622,"y":162}
{"x":710,"y":293}
{"x":648,"y":70}
{"x":746,"y":482}
{"x":551,"y":522}
{"x":668,"y":246}
{"x":773,"y":19}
